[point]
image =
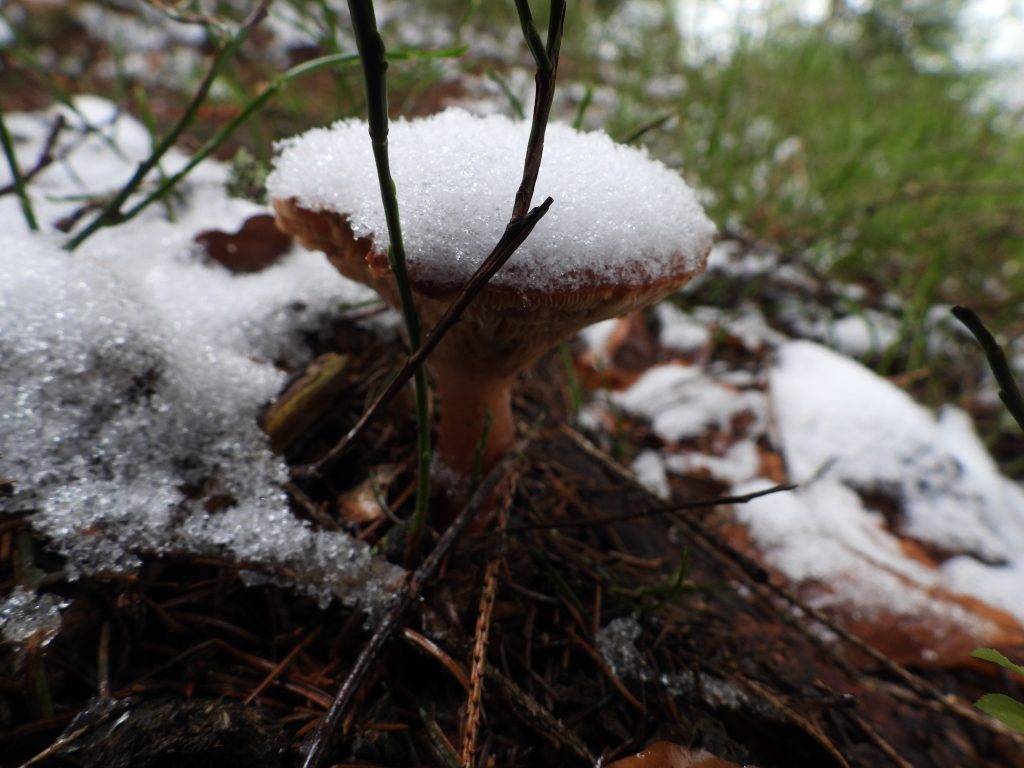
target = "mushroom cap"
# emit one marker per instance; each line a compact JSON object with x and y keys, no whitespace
{"x":623,"y":232}
{"x":619,"y":216}
{"x":504,"y":328}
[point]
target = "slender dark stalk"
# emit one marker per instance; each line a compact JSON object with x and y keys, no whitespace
{"x":375,"y":69}
{"x":536,"y":45}
{"x":544,"y":94}
{"x":1009,"y":392}
{"x":111,"y":212}
{"x":16,"y":177}
{"x":663,"y":509}
{"x":520,"y":225}
{"x":409,"y":595}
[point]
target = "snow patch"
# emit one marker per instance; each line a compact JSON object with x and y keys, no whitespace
{"x":682,"y":402}
{"x":837,"y":417}
{"x":133,"y":373}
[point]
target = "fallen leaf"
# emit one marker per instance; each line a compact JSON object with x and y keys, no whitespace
{"x":665,"y":754}
{"x":254,"y":247}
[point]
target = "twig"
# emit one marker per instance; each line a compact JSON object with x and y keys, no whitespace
{"x":16,"y":178}
{"x":282,"y":666}
{"x":540,"y":54}
{"x":429,"y":646}
{"x":516,"y":231}
{"x":375,"y":68}
{"x":474,"y":706}
{"x":661,"y":509}
{"x":1009,"y":392}
{"x":544,"y":94}
{"x":406,"y":599}
{"x":46,"y":156}
{"x":209,"y":146}
{"x":545,"y":723}
{"x":111,"y":212}
{"x":103,"y":662}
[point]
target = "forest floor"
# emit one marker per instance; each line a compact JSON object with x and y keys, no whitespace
{"x":192,"y":614}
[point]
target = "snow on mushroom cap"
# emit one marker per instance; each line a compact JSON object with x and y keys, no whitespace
{"x":618,"y":216}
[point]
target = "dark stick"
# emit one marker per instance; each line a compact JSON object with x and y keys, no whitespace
{"x":544,"y":94}
{"x":518,"y":229}
{"x":1009,"y":392}
{"x":423,"y":575}
{"x":373,"y":56}
{"x":665,"y":509}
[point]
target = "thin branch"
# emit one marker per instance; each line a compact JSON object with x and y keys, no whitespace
{"x":663,"y":509}
{"x":519,"y":227}
{"x":544,"y":94}
{"x":375,"y":71}
{"x":409,"y":595}
{"x":209,"y":146}
{"x":1009,"y":392}
{"x":111,"y":212}
{"x":540,"y":55}
{"x":16,"y":178}
{"x":46,"y":156}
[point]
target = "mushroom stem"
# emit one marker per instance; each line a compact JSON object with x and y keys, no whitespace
{"x":468,"y":401}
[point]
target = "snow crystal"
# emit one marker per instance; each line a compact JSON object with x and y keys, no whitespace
{"x":681,"y":401}
{"x":837,"y":416}
{"x":25,"y":616}
{"x":617,"y":643}
{"x":132,"y":376}
{"x":618,"y":214}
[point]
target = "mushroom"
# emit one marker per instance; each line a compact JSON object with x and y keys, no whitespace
{"x":624,"y":232}
{"x":665,"y":754}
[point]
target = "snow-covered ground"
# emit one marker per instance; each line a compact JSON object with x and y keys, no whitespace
{"x":902,"y":523}
{"x":133,"y":370}
{"x":132,"y":373}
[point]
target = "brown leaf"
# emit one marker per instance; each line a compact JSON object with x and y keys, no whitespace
{"x":362,"y":503}
{"x":254,"y":247}
{"x":665,"y":754}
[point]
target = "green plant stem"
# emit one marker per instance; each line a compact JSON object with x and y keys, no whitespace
{"x":16,"y":178}
{"x":111,"y":212}
{"x":300,"y":70}
{"x":584,"y":105}
{"x":375,"y":67}
{"x":640,"y":131}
